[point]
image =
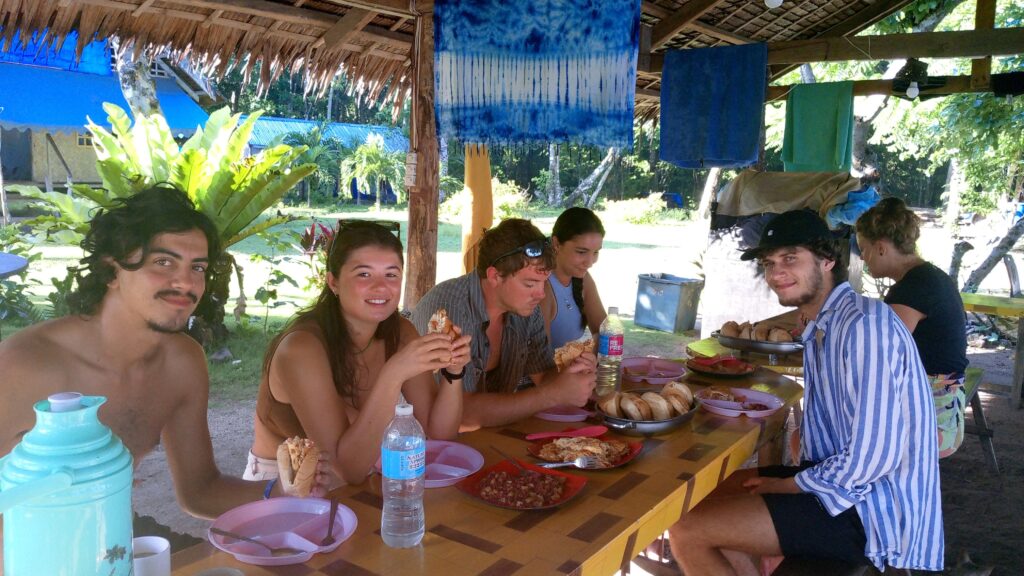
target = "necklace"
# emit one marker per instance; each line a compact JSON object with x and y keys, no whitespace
{"x":568,"y":303}
{"x":365,"y":348}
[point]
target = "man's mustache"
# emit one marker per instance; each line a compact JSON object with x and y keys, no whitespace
{"x":176,"y":293}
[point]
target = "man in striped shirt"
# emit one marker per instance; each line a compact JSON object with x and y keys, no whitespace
{"x":868,"y":488}
{"x":497,"y":305}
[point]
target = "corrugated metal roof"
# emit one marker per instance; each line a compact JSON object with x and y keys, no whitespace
{"x":267,"y":128}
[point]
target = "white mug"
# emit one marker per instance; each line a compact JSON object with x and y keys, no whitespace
{"x":151,"y":556}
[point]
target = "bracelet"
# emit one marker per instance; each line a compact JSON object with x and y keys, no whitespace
{"x":269,"y":489}
{"x":453,"y":377}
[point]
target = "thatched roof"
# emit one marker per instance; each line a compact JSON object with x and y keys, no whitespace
{"x":371,"y":40}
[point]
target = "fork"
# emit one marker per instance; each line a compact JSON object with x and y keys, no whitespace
{"x":329,"y":539}
{"x":580,"y":462}
{"x":274,"y":551}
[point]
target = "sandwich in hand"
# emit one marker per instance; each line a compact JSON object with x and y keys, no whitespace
{"x":296,"y":465}
{"x":440,"y":323}
{"x":573,"y":350}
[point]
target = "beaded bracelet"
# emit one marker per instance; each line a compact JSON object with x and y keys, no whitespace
{"x":452,"y":377}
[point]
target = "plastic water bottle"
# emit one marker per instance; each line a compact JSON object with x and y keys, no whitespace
{"x":609,"y":353}
{"x":403,"y":460}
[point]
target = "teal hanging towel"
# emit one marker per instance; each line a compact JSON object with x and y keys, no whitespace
{"x":819,"y":128}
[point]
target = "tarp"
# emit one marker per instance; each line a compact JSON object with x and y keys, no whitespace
{"x":39,"y":98}
{"x":753,"y":192}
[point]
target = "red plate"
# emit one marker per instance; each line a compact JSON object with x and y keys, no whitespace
{"x":471,"y":485}
{"x":721,"y":366}
{"x":634,"y":449}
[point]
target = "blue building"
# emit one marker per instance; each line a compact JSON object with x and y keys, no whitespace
{"x":46,"y":96}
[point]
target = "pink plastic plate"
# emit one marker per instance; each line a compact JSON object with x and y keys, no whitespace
{"x":299,"y":523}
{"x":447,"y":463}
{"x":748,"y":403}
{"x":564,"y":414}
{"x":651,"y":370}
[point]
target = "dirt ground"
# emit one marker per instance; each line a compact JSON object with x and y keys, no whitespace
{"x":983,"y":511}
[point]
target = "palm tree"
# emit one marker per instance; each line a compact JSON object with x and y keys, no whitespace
{"x":371,"y":162}
{"x":322,"y":151}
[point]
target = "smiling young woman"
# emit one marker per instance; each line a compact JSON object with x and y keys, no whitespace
{"x":571,"y":303}
{"x":337,"y":370}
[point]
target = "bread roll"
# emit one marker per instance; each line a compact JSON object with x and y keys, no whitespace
{"x":296,"y":464}
{"x":730,"y":329}
{"x":634,"y":407}
{"x":761,"y":330}
{"x":681,"y":389}
{"x":645,"y":409}
{"x":679,"y":403}
{"x":779,"y":335}
{"x":746,"y":331}
{"x":609,"y":404}
{"x":660,"y":407}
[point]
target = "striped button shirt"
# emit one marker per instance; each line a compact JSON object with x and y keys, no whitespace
{"x":869,"y":424}
{"x":524,"y":340}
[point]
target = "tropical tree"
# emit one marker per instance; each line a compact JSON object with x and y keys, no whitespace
{"x":322,"y":151}
{"x":232,"y":189}
{"x":371,"y":162}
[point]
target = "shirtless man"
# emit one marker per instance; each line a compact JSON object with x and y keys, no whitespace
{"x":144,"y":271}
{"x":497,"y":304}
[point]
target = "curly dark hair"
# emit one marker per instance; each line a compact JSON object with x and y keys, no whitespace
{"x":118,"y":232}
{"x":891,"y":220}
{"x":327,"y":315}
{"x":509,"y":235}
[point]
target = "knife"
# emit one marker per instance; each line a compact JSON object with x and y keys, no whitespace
{"x":588,"y":431}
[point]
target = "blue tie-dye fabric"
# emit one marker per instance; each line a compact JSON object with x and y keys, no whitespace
{"x":509,"y":71}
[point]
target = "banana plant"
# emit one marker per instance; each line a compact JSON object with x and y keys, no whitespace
{"x":234,"y":190}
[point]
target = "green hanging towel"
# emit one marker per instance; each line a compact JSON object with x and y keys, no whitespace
{"x":819,"y":128}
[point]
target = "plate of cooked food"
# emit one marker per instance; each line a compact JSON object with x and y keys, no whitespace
{"x":647,"y":411}
{"x":736,"y":402}
{"x":723,"y":366}
{"x":604,"y":451}
{"x":522,"y":486}
{"x":651,"y":370}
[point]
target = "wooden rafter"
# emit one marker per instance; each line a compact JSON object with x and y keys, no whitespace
{"x":142,"y":7}
{"x":675,"y":23}
{"x":960,"y":44}
{"x":719,"y":33}
{"x":984,"y":19}
{"x":345,"y":28}
{"x":852,"y":25}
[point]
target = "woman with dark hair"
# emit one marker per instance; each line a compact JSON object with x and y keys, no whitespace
{"x":927,"y":301}
{"x":571,"y":302}
{"x":337,"y":370}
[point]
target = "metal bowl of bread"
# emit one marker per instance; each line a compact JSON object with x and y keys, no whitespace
{"x":646,"y":411}
{"x":760,"y":337}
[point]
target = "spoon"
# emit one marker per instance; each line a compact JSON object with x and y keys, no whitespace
{"x":274,"y":551}
{"x":588,"y":431}
{"x":329,"y":539}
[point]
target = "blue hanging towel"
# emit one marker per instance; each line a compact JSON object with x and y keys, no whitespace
{"x":712,"y":105}
{"x":819,"y":128}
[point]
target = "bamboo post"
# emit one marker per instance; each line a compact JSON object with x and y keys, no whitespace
{"x":481,"y":213}
{"x":422,"y":169}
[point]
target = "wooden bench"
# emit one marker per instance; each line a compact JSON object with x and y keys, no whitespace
{"x":972,"y":381}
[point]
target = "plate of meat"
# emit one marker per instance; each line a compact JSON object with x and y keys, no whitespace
{"x":607,"y":452}
{"x":528,"y":488}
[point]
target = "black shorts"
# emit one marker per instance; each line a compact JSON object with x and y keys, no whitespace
{"x":805,"y":528}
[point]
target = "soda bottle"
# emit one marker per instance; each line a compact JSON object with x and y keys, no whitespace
{"x":609,"y":353}
{"x":403,"y":461}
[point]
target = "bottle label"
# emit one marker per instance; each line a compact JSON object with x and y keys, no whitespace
{"x":404,"y":464}
{"x":610,"y":345}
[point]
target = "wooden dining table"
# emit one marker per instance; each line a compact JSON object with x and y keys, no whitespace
{"x":616,"y":515}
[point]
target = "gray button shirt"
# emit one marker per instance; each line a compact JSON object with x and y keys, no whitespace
{"x":524,"y":342}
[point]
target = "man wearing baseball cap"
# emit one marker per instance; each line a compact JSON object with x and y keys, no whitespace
{"x":867,"y":490}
